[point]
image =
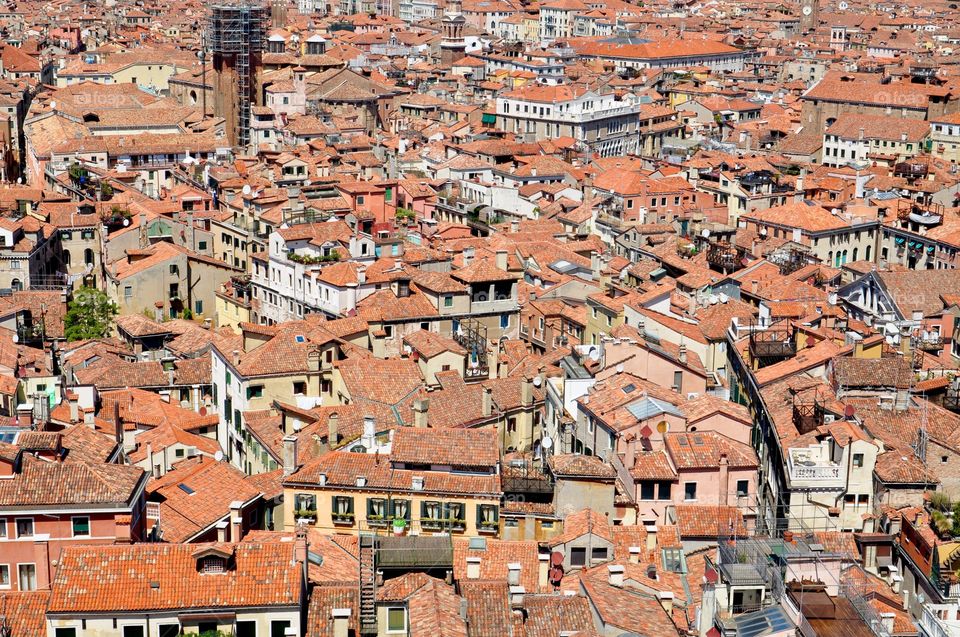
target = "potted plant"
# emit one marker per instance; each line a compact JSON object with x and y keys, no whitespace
{"x":306,"y":515}
{"x":399,"y":526}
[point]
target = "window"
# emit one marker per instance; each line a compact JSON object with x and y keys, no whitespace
{"x":278,"y":628}
{"x":376,"y":510}
{"x":743,"y":488}
{"x":299,"y":388}
{"x":127,"y":292}
{"x":400,"y":509}
{"x":360,"y":200}
{"x":663,"y":490}
{"x":690,"y":491}
{"x":396,"y":620}
{"x":598,"y":553}
{"x":198,"y":307}
{"x":504,"y":321}
{"x":448,"y":300}
{"x":244,"y":629}
{"x":172,"y":630}
{"x":201,"y":245}
{"x":305,"y":505}
{"x":4,"y":576}
{"x":858,"y":460}
{"x":578,"y":556}
{"x":65,"y":632}
{"x":647,"y":490}
{"x":343,"y":509}
{"x":254,"y":391}
{"x":81,"y":526}
{"x":388,"y":331}
{"x":133,"y":631}
{"x":487,"y":517}
{"x":673,"y":560}
{"x":24,"y":527}
{"x":943,"y":459}
{"x":3,"y":527}
{"x":27,"y":576}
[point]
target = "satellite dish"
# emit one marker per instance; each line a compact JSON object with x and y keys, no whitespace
{"x":247,"y":189}
{"x":662,"y":426}
{"x":218,"y":456}
{"x":620,"y":368}
{"x":53,"y":104}
{"x":706,"y":233}
{"x":16,"y":339}
{"x":537,"y":381}
{"x":594,"y":354}
{"x":843,"y":6}
{"x":547,"y":442}
{"x":126,"y":222}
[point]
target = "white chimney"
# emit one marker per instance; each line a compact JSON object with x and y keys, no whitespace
{"x":615,"y":572}
{"x":289,"y":455}
{"x":513,"y":573}
{"x":666,"y":600}
{"x":369,"y":433}
{"x":341,"y":622}
{"x":473,"y":568}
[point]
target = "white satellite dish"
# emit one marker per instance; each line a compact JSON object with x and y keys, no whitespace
{"x":537,"y":381}
{"x":547,"y":443}
{"x":706,"y":233}
{"x":843,"y":6}
{"x":594,"y":354}
{"x":218,"y":456}
{"x":53,"y":104}
{"x":121,"y":168}
{"x":16,"y":339}
{"x":126,"y":222}
{"x":247,"y":189}
{"x":620,"y":368}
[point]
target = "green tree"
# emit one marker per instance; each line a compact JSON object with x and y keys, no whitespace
{"x":89,"y":315}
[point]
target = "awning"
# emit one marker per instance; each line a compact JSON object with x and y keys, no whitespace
{"x":489,"y":118}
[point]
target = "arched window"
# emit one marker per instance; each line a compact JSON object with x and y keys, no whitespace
{"x":16,"y":285}
{"x":867,"y":256}
{"x":855,"y":254}
{"x":193,"y":96}
{"x":66,"y":258}
{"x":88,"y":256}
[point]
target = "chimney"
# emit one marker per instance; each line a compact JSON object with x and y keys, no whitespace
{"x":615,"y":573}
{"x":651,"y":528}
{"x":513,"y":573}
{"x":800,"y":179}
{"x":682,"y":353}
{"x":630,"y":459}
{"x":289,"y":455}
{"x":341,"y":622}
{"x":724,"y":478}
{"x":543,"y":571}
{"x":754,"y":285}
{"x":117,"y":423}
{"x":502,"y":259}
{"x":516,"y":597}
{"x":526,"y":392}
{"x":652,"y":572}
{"x":860,"y":136}
{"x":666,"y":600}
{"x":74,"y":407}
{"x":514,"y":225}
{"x":367,"y":439}
{"x":333,"y":429}
{"x":468,"y":256}
{"x":170,"y":374}
{"x":595,"y":265}
{"x":236,"y":521}
{"x":421,"y":407}
{"x":887,"y":620}
{"x":473,"y":568}
{"x":24,"y":415}
{"x":635,"y":552}
{"x":487,"y":401}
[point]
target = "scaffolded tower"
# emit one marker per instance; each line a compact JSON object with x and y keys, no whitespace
{"x":237,"y":33}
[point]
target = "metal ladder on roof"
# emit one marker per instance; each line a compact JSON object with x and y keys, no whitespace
{"x":368,"y":584}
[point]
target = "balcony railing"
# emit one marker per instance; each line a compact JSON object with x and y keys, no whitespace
{"x":809,"y":470}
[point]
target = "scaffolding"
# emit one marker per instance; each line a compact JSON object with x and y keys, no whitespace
{"x":237,"y":33}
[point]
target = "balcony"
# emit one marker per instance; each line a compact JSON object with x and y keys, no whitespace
{"x":806,"y":470}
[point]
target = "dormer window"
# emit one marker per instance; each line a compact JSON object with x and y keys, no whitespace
{"x":213,"y":564}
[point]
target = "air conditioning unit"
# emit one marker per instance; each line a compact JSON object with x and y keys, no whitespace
{"x":828,"y":418}
{"x":692,"y":395}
